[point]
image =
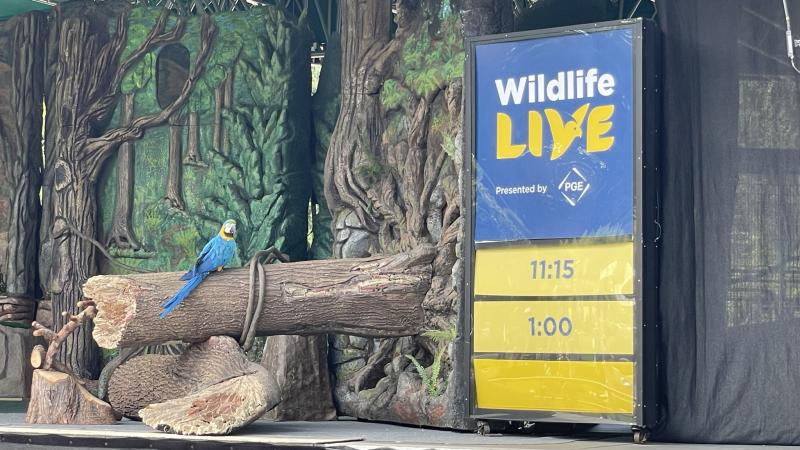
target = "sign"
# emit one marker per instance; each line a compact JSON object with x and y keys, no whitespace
{"x":554,"y":137}
{"x":556,"y":264}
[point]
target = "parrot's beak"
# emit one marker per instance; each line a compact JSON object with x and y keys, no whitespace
{"x":229,"y":228}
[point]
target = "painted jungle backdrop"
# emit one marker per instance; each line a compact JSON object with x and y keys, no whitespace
{"x":129,"y":133}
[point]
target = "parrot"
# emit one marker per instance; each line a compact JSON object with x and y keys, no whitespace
{"x":217,"y":252}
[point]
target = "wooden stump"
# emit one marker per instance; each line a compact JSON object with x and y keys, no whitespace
{"x":58,"y":398}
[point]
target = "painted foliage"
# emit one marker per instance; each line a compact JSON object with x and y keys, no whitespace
{"x":241,"y":141}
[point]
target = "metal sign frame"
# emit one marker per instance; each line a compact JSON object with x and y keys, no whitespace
{"x":646,"y":229}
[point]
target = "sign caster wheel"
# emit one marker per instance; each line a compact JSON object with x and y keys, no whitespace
{"x":641,"y":435}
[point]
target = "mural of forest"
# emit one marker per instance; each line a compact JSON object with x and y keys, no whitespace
{"x":237,"y":150}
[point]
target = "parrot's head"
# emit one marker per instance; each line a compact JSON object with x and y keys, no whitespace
{"x":228,"y":229}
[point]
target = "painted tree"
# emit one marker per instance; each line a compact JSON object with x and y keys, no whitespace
{"x":122,"y":235}
{"x":92,"y":63}
{"x":262,"y":180}
{"x":172,"y":69}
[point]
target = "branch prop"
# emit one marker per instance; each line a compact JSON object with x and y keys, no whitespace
{"x":55,"y":340}
{"x":377,"y":296}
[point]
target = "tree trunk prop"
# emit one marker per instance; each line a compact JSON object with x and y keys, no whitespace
{"x":20,"y":148}
{"x":210,"y":389}
{"x":59,"y":396}
{"x":300,"y":367}
{"x":16,"y":308}
{"x":392,"y":184}
{"x":378,"y":296}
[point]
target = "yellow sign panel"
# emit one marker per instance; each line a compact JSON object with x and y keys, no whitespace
{"x":567,"y":386}
{"x":577,"y":327}
{"x":571,"y":269}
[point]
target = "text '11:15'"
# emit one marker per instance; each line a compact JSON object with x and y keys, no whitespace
{"x":559,"y":269}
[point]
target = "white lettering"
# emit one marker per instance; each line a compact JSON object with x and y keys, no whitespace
{"x":605,"y":85}
{"x":510,"y":89}
{"x":565,"y":85}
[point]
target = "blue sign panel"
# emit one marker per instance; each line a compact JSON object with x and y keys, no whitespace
{"x":554,"y":128}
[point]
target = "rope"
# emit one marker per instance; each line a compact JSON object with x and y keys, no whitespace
{"x":254,"y":307}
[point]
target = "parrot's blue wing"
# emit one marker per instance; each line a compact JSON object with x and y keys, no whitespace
{"x":200,"y":258}
{"x":217,"y":253}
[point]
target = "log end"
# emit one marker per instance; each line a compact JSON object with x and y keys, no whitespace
{"x":38,"y":356}
{"x":115,"y":297}
{"x":219,"y":409}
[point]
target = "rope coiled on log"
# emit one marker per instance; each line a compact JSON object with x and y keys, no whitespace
{"x":254,"y":307}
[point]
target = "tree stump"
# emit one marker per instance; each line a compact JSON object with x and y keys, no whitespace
{"x":58,"y":398}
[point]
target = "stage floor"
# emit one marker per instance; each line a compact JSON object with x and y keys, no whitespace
{"x":338,"y":435}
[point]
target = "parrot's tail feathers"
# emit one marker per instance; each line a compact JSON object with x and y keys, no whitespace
{"x":187,"y":276}
{"x":181,"y":295}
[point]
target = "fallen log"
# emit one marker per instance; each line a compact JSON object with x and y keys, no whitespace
{"x":377,"y":296}
{"x":210,"y":389}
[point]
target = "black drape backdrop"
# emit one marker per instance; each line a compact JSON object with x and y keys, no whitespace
{"x":730,"y":262}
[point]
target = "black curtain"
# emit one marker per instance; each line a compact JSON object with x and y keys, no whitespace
{"x":730,"y":261}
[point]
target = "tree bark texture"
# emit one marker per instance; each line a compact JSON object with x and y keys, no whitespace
{"x":21,"y":91}
{"x":87,"y":75}
{"x":59,"y":398}
{"x":300,"y":367}
{"x":300,"y":363}
{"x":211,"y":388}
{"x":122,"y":235}
{"x":377,"y":296}
{"x":392,"y":183}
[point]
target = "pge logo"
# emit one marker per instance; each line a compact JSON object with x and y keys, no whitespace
{"x":574,"y":186}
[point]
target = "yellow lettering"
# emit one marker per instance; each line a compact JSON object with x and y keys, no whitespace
{"x":597,"y":125}
{"x":535,"y":131}
{"x":505,"y":149}
{"x":565,"y":133}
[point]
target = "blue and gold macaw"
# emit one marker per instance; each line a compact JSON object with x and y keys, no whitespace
{"x":217,"y":252}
